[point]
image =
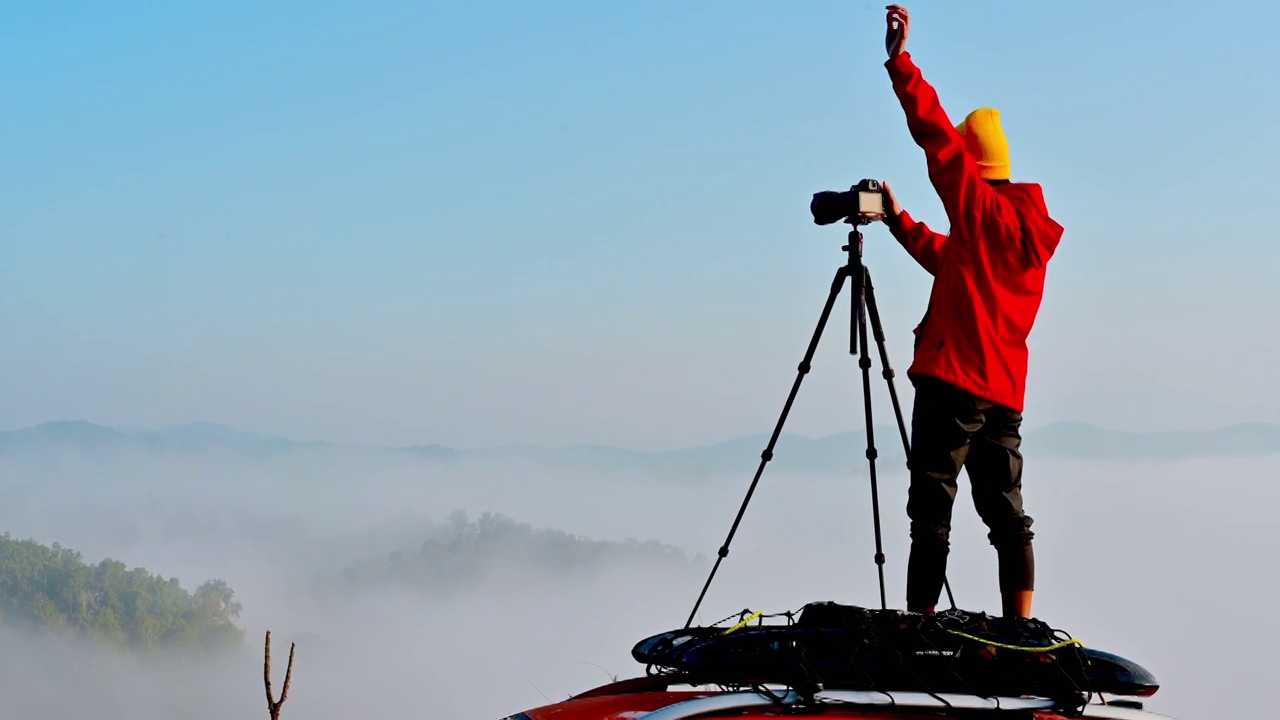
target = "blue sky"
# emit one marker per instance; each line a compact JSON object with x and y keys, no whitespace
{"x":573,"y":222}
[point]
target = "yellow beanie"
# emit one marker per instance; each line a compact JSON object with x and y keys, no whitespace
{"x":984,"y":140}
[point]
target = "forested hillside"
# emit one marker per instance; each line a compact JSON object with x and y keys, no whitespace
{"x":52,"y":589}
{"x":466,"y":552}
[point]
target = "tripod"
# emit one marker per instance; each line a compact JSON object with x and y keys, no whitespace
{"x":862,"y":306}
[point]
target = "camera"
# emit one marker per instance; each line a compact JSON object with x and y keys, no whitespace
{"x":862,"y":204}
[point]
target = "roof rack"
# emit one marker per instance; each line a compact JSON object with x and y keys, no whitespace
{"x":743,"y":700}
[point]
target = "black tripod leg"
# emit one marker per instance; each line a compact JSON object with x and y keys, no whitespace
{"x":878,"y":331}
{"x":864,"y":362}
{"x":767,"y":455}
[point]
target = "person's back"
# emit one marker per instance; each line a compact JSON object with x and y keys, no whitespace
{"x":970,"y":362}
{"x":986,"y":294}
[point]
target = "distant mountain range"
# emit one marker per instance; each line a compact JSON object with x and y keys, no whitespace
{"x":834,"y":454}
{"x":190,"y":437}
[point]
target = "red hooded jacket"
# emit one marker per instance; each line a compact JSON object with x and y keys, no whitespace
{"x":988,"y":271}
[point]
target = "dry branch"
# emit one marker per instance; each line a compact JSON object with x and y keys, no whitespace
{"x":273,"y":706}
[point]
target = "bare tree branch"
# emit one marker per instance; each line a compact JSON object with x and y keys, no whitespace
{"x":273,"y":705}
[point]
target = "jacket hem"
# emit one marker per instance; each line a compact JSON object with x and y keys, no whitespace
{"x":1013,"y":402}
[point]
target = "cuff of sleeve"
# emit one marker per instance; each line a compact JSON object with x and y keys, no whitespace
{"x":897,"y":223}
{"x":899,"y":64}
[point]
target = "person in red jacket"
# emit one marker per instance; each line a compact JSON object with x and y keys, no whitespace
{"x":970,"y":364}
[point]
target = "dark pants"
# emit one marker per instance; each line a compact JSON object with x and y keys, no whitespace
{"x":950,"y":430}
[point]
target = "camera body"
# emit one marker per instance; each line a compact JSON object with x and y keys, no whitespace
{"x":861,"y":204}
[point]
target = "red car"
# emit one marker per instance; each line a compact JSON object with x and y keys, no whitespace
{"x":657,"y":698}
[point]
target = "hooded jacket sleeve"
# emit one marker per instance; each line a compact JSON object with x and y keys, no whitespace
{"x":922,"y":243}
{"x":975,"y":209}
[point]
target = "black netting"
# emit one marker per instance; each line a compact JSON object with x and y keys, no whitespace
{"x":847,"y":647}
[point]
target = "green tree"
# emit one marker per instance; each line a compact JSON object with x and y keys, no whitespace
{"x":52,"y":589}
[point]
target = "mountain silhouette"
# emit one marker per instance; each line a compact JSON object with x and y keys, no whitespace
{"x":840,"y":454}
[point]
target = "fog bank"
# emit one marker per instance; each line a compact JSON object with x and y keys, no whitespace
{"x":1138,"y":558}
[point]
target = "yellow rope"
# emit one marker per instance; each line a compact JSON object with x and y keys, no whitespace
{"x":743,"y":624}
{"x":1050,"y":648}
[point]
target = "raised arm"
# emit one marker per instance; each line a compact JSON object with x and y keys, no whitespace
{"x":968,"y":200}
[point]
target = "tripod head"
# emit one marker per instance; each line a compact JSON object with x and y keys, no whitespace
{"x":860,"y":205}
